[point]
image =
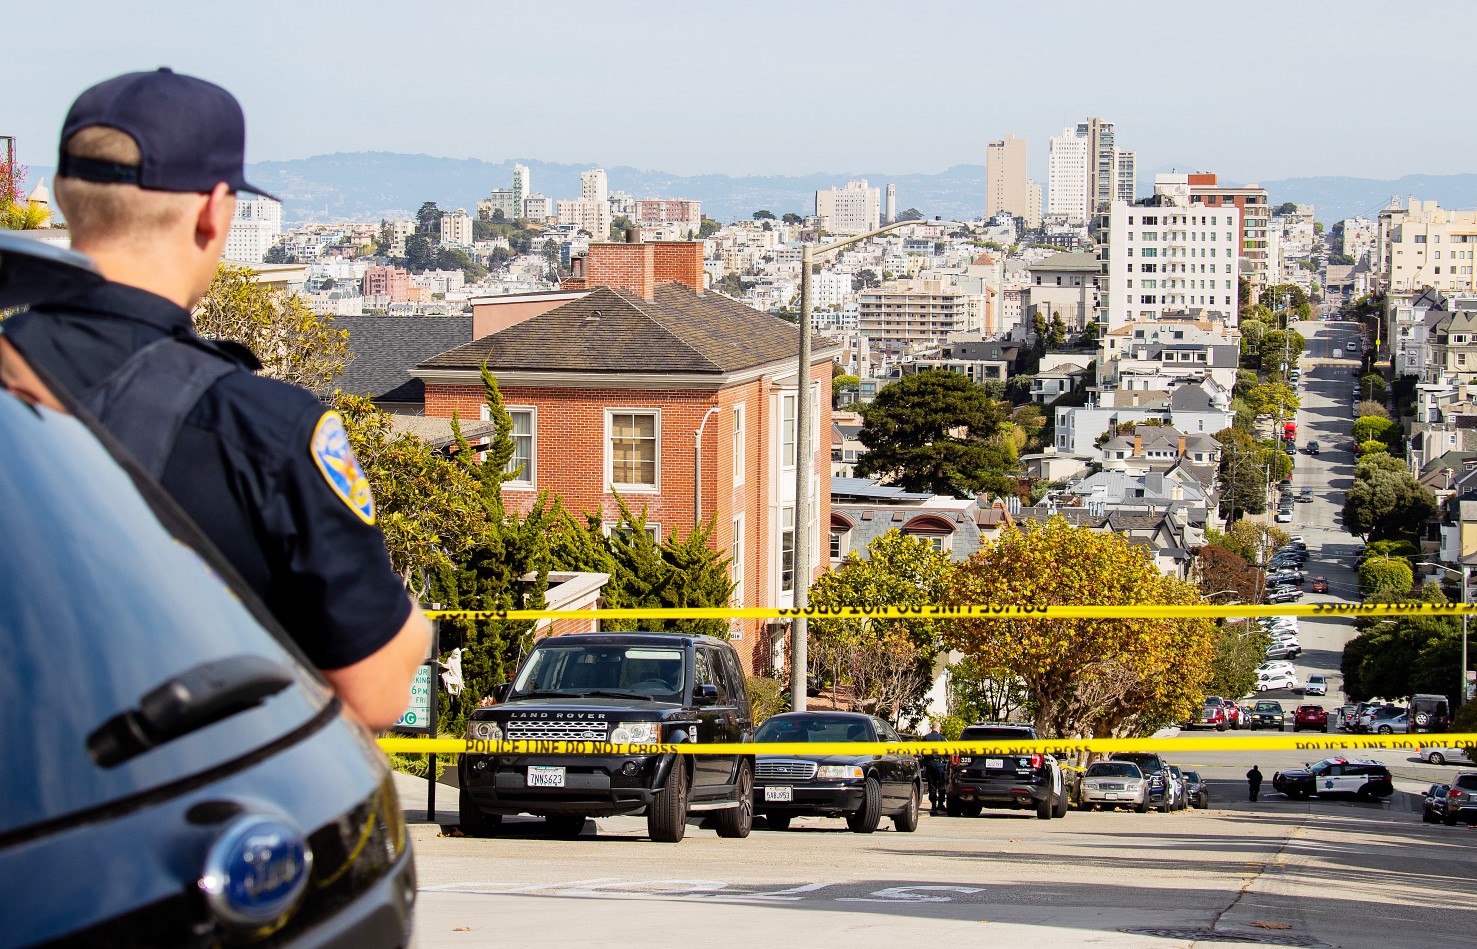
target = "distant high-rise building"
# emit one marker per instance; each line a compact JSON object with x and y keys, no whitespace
{"x":1125,"y":170}
{"x":1066,"y":178}
{"x":254,"y":229}
{"x":499,"y":199}
{"x":536,"y":207}
{"x":456,"y":228}
{"x":1005,"y":177}
{"x":891,"y":203}
{"x":521,"y":189}
{"x":1033,"y":204}
{"x":595,"y":192}
{"x":850,"y":210}
{"x":1256,"y":217}
{"x":1173,"y":256}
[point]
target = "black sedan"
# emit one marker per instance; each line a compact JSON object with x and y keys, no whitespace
{"x":1197,"y":791}
{"x":862,"y":788}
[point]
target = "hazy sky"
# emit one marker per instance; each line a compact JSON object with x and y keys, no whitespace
{"x":1254,"y":90}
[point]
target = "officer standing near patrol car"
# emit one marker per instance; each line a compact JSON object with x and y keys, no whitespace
{"x":147,"y":177}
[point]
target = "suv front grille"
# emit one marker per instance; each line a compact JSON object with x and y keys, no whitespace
{"x":524,"y":730}
{"x":785,"y":770}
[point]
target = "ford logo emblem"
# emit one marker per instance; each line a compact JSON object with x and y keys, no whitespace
{"x":255,"y":871}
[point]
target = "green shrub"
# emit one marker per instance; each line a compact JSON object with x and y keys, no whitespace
{"x":766,"y":697}
{"x":953,"y":726}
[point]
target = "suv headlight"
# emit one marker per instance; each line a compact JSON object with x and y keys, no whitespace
{"x":839,"y":772}
{"x":636,"y":733}
{"x":485,"y":731}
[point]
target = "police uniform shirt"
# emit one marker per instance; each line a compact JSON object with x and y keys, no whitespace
{"x":260,"y":465}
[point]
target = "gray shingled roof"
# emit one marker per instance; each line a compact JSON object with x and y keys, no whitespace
{"x":386,"y":348}
{"x":611,"y":330}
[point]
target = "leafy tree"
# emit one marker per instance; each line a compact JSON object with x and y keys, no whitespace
{"x":1018,"y":387}
{"x":428,"y":221}
{"x":1273,"y":299}
{"x":1317,"y":227}
{"x":1372,"y":386}
{"x":1254,"y":542}
{"x":1246,"y":380}
{"x":1386,"y":500}
{"x":1253,"y":332}
{"x":1286,"y":208}
{"x":1341,"y":260}
{"x":1384,"y":577}
{"x":790,"y":217}
{"x":979,"y":691}
{"x":1390,"y":548}
{"x":293,"y":343}
{"x":764,"y":215}
{"x":729,"y":285}
{"x":645,"y":570}
{"x":1091,"y":677}
{"x":841,"y":383}
{"x":1056,"y":336}
{"x":1372,"y":447}
{"x":1368,"y":409}
{"x":1237,"y":649}
{"x":1272,"y":398}
{"x":1225,"y":576}
{"x":887,"y":663}
{"x":1280,"y":350}
{"x":912,"y":214}
{"x":864,"y":279}
{"x":1373,"y":427}
{"x":420,"y":252}
{"x":708,"y":228}
{"x":937,"y":431}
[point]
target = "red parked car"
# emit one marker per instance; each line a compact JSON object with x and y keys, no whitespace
{"x":1320,"y":585}
{"x":1310,"y":716}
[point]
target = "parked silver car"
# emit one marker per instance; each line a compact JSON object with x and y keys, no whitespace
{"x":1115,"y":784}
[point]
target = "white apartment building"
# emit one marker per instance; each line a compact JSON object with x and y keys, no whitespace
{"x":254,"y":229}
{"x":1033,"y":204}
{"x":590,"y":212}
{"x":680,"y":213}
{"x":498,"y":199}
{"x":1005,"y":178}
{"x":536,"y":207}
{"x":1426,"y":246}
{"x":855,"y":209}
{"x":1171,"y":258}
{"x":830,"y":288}
{"x":1066,"y":178}
{"x":906,"y":313}
{"x":456,"y":228}
{"x":1358,"y":236}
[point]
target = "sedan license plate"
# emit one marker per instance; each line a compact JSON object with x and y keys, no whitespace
{"x":994,"y":762}
{"x":781,"y":793}
{"x":1111,"y":796}
{"x":545,"y":777}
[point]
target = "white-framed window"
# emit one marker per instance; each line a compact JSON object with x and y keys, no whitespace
{"x":740,"y":436}
{"x":787,"y":549}
{"x":633,"y":449}
{"x":653,"y":529}
{"x":736,"y":567}
{"x":787,"y":429}
{"x":525,"y":446}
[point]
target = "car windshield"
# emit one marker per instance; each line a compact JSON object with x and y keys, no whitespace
{"x":1268,"y":707}
{"x":1113,"y":769}
{"x":1192,"y":776}
{"x":1310,"y":709}
{"x":1467,"y":782}
{"x":814,"y":728}
{"x":1146,"y":762}
{"x":987,"y":733}
{"x":642,"y":671}
{"x":1322,"y":766}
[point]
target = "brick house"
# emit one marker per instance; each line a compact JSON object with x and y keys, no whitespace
{"x":633,"y":379}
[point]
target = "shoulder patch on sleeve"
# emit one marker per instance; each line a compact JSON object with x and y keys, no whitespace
{"x":335,"y":459}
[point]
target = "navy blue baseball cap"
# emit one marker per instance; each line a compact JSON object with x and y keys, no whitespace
{"x":191,"y":133}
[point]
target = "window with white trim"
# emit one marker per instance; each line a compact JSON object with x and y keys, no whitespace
{"x":787,"y":429}
{"x":736,"y":565}
{"x":740,"y":434}
{"x":524,"y":436}
{"x":787,"y":549}
{"x":633,"y":449}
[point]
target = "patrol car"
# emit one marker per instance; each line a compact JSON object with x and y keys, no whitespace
{"x":1360,"y":776}
{"x":175,"y":773}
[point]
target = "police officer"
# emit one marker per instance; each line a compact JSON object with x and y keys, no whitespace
{"x":148,"y":173}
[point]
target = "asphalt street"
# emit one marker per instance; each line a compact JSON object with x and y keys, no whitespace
{"x":1276,"y":872}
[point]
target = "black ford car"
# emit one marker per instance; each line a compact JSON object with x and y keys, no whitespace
{"x":623,"y":688}
{"x":1025,"y":781}
{"x":174,"y":774}
{"x":863,"y":788}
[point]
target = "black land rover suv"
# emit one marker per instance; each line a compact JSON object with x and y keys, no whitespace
{"x":1000,"y":780}
{"x":623,"y":688}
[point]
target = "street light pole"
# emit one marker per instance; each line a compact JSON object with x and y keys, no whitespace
{"x":1461,"y":695}
{"x":805,"y":466}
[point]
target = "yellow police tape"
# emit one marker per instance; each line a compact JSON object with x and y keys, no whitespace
{"x":1070,"y":746}
{"x":979,"y":611}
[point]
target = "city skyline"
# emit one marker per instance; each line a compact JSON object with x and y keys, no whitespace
{"x":1188,"y":110}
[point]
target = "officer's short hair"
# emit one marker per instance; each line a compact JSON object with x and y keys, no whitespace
{"x":113,"y":212}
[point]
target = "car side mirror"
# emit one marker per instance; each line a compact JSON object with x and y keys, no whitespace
{"x":705,"y":695}
{"x":501,"y":691}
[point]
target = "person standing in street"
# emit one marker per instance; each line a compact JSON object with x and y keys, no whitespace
{"x":1254,"y":781}
{"x":149,"y":168}
{"x":935,"y":770}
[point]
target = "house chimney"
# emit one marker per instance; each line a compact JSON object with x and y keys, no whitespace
{"x":1138,"y":444}
{"x":1181,"y":449}
{"x":633,"y":235}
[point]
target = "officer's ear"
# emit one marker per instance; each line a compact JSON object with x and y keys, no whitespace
{"x":213,"y":223}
